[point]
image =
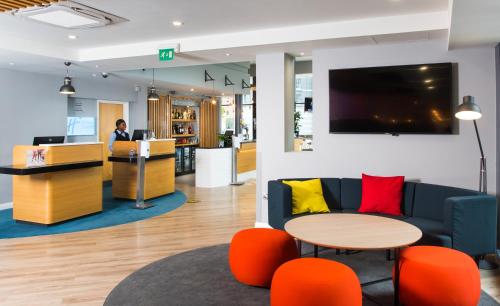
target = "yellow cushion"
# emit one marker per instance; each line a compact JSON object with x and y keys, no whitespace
{"x":307,"y":197}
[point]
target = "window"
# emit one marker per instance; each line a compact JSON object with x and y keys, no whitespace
{"x":247,"y":117}
{"x":303,"y":90}
{"x":226,"y":114}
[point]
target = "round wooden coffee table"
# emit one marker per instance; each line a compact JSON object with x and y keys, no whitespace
{"x":356,"y":232}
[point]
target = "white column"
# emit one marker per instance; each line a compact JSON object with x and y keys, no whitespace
{"x":275,"y":94}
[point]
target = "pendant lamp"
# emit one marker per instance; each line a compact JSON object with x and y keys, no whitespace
{"x":152,"y":95}
{"x":67,"y":88}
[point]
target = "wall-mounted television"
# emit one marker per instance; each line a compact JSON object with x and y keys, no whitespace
{"x":410,"y":99}
{"x":81,"y":126}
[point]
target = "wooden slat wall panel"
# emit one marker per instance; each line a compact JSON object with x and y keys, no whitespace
{"x":9,"y":5}
{"x":209,"y":121}
{"x":159,"y":118}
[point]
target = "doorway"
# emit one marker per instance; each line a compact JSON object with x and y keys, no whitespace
{"x":107,"y":114}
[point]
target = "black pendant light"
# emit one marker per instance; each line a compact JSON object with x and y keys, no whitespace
{"x":152,"y":95}
{"x":67,"y":88}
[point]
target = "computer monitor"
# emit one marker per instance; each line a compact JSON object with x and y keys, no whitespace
{"x":308,"y":104}
{"x":139,"y":135}
{"x":228,"y":141}
{"x":47,"y":140}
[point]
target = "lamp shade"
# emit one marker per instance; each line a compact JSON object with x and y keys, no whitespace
{"x":67,"y":88}
{"x":153,"y":96}
{"x":468,"y":110}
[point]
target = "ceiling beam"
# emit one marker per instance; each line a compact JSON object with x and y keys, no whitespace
{"x":4,"y":7}
{"x":7,"y":5}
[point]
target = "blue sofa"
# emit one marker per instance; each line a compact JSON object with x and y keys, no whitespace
{"x":456,"y":218}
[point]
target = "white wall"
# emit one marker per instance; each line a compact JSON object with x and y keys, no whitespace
{"x":442,"y":159}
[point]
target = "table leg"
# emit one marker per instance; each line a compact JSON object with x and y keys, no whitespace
{"x":299,"y":247}
{"x":315,"y":251}
{"x":396,"y":276}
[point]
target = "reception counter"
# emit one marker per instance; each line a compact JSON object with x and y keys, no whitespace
{"x":67,"y":185}
{"x":159,"y":172}
{"x":246,"y":157}
{"x":214,"y":165}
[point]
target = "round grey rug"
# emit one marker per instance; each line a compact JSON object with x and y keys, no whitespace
{"x":202,"y":277}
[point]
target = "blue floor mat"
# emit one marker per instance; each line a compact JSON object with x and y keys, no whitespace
{"x":114,"y":212}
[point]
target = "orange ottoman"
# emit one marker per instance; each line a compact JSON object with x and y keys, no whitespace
{"x":435,"y":276}
{"x":314,"y":282}
{"x":254,"y":254}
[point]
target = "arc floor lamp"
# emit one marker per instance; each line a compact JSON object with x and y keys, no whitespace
{"x":469,"y":110}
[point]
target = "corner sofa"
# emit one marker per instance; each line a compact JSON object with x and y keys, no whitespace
{"x":456,"y":218}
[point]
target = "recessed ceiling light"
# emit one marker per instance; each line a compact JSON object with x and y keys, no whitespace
{"x":72,"y":36}
{"x":11,"y":63}
{"x":97,"y":66}
{"x":423,"y":68}
{"x":430,"y":87}
{"x":94,"y":74}
{"x":428,"y":81}
{"x":228,"y":54}
{"x":177,"y":23}
{"x":192,"y":89}
{"x":302,"y":53}
{"x":222,"y":93}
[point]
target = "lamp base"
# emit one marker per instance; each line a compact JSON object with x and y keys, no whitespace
{"x":482,"y":176}
{"x":487,"y":262}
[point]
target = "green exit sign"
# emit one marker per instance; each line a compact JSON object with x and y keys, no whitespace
{"x":166,"y":54}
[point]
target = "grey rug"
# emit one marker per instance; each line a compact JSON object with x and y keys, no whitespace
{"x":202,"y":277}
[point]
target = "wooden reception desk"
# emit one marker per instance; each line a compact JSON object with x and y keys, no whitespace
{"x":159,"y":173}
{"x":68,"y":186}
{"x":246,"y":157}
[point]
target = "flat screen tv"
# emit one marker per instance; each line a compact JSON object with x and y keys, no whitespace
{"x":410,"y":99}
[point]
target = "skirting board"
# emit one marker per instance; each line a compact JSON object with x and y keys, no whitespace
{"x":245,"y":176}
{"x":262,"y":225}
{"x":5,"y":205}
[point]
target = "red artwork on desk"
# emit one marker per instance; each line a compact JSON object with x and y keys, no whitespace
{"x":35,"y":157}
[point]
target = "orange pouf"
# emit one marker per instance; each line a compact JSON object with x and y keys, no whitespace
{"x":435,"y":276}
{"x":314,"y":282}
{"x":256,"y":253}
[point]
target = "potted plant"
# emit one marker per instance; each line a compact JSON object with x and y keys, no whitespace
{"x":221,"y":138}
{"x":296,"y":126}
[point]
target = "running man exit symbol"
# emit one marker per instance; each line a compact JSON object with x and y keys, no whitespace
{"x":166,"y":54}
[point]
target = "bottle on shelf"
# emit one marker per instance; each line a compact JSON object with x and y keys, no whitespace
{"x":190,"y":129}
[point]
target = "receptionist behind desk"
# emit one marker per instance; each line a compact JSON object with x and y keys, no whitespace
{"x":119,"y":133}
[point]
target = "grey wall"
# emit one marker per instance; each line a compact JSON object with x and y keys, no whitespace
{"x":41,"y":110}
{"x":497,"y":68}
{"x":442,"y":159}
{"x":302,"y":67}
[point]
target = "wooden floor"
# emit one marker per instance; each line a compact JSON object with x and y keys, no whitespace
{"x":81,"y":268}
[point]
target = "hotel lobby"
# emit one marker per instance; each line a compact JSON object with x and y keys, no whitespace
{"x":283,"y":153}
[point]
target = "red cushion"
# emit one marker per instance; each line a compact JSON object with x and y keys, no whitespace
{"x":381,"y":194}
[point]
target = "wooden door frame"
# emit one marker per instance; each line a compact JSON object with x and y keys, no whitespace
{"x":125,"y":113}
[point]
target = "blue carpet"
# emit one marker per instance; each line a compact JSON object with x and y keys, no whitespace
{"x":114,"y":212}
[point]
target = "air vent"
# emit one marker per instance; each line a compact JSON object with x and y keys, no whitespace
{"x":70,"y":15}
